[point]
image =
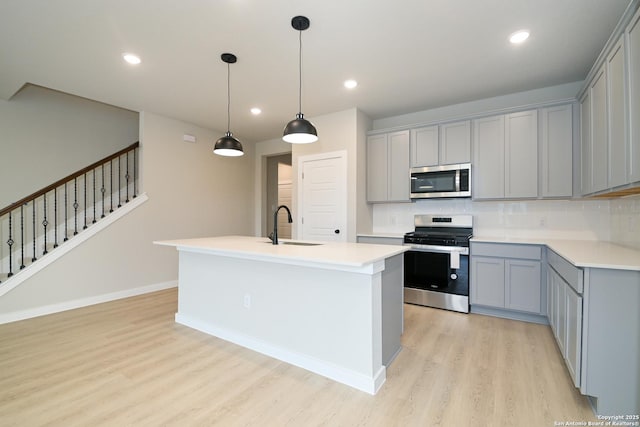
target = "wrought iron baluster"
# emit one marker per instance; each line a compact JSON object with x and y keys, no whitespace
{"x":55,"y":217}
{"x":126,"y":177}
{"x":94,"y":197}
{"x":10,"y":242}
{"x":119,"y":182}
{"x":66,"y":215}
{"x":44,"y":224}
{"x":102,"y":191}
{"x":111,"y":184}
{"x":135,"y":173}
{"x":34,"y":231}
{"x":85,"y":202}
{"x":75,"y":205}
{"x":22,"y":236}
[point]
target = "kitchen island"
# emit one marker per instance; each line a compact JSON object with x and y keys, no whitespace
{"x":331,"y":308}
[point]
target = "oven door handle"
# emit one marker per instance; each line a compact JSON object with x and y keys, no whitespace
{"x":438,"y":249}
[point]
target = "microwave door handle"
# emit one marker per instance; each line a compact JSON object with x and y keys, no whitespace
{"x":458,"y":181}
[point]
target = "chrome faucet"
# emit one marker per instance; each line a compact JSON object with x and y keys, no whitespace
{"x":274,"y":236}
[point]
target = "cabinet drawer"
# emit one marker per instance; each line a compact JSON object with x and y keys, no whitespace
{"x":507,"y":250}
{"x":570,"y":273}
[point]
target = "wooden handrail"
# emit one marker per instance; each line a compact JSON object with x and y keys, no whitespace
{"x":74,"y":175}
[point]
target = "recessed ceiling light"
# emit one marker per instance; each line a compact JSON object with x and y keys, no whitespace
{"x":255,"y":111}
{"x":131,"y":58}
{"x":350,"y":84}
{"x":519,"y":36}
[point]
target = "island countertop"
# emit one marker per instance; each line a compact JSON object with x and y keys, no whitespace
{"x":259,"y":248}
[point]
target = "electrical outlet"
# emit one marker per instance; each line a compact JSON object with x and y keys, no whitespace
{"x":247,"y":301}
{"x":543,"y":222}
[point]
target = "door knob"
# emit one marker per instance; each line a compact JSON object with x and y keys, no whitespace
{"x":336,"y":231}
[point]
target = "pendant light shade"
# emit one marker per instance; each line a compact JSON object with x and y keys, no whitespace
{"x":300,"y":130}
{"x":228,"y":145}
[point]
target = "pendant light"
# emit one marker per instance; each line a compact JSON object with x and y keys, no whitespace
{"x":228,"y":145}
{"x":300,"y":130}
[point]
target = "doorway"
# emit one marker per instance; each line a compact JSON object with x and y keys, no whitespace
{"x":279,"y":188}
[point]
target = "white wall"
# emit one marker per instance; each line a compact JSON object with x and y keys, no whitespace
{"x":336,"y":132}
{"x":192,"y":193}
{"x":46,"y":135}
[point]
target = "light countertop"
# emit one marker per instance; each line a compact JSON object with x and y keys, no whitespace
{"x":260,"y":248}
{"x":581,"y":253}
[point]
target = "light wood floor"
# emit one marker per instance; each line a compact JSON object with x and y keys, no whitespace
{"x":128,"y":363}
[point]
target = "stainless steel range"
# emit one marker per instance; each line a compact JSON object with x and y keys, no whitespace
{"x":436,"y":268}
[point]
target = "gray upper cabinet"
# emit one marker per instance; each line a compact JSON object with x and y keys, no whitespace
{"x":521,"y":159}
{"x":556,"y":145}
{"x":633,"y":56}
{"x":488,"y":158}
{"x":610,"y":114}
{"x":585,"y":143}
{"x":424,"y":146}
{"x":388,"y":167}
{"x":455,"y":143}
{"x":377,"y":175}
{"x":617,"y":166}
{"x":599,"y":138}
{"x":505,"y":156}
{"x":444,"y":144}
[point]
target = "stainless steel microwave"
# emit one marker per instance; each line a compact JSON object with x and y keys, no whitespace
{"x":441,"y":181}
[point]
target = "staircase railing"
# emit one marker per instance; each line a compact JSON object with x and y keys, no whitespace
{"x":39,"y":223}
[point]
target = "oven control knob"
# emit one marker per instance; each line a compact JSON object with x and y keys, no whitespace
{"x":454,"y":276}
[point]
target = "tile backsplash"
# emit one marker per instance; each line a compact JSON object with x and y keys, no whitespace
{"x":561,"y":219}
{"x":625,"y":221}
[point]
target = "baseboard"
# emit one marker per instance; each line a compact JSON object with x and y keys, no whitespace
{"x":353,"y":379}
{"x":84,"y":302}
{"x":510,"y":314}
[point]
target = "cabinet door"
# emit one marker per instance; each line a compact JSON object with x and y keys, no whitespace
{"x":455,"y":143}
{"x":488,"y":158}
{"x":561,"y":319}
{"x":616,"y":124}
{"x":557,"y":154}
{"x":487,"y":281}
{"x":377,"y":177}
{"x":585,"y":143}
{"x":399,"y":180}
{"x":521,"y":162}
{"x":599,"y":158}
{"x":573,"y":349}
{"x":523,"y":285}
{"x":424,"y":146}
{"x":551,"y":300}
{"x":633,"y":38}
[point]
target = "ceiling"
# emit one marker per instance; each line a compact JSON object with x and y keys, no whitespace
{"x":407,"y":55}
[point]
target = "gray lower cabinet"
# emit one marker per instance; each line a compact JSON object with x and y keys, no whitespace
{"x":507,"y":276}
{"x":594,"y":316}
{"x":564,"y":300}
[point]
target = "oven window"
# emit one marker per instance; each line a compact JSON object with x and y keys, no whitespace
{"x":426,"y":270}
{"x":434,"y":182}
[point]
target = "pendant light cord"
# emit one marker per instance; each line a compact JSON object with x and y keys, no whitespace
{"x":228,"y":98}
{"x":300,"y":72}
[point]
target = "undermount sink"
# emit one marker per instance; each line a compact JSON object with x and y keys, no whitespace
{"x":289,"y":242}
{"x":300,"y":243}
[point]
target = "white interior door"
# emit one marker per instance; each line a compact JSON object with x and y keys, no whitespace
{"x":323,"y":197}
{"x":284,"y":198}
